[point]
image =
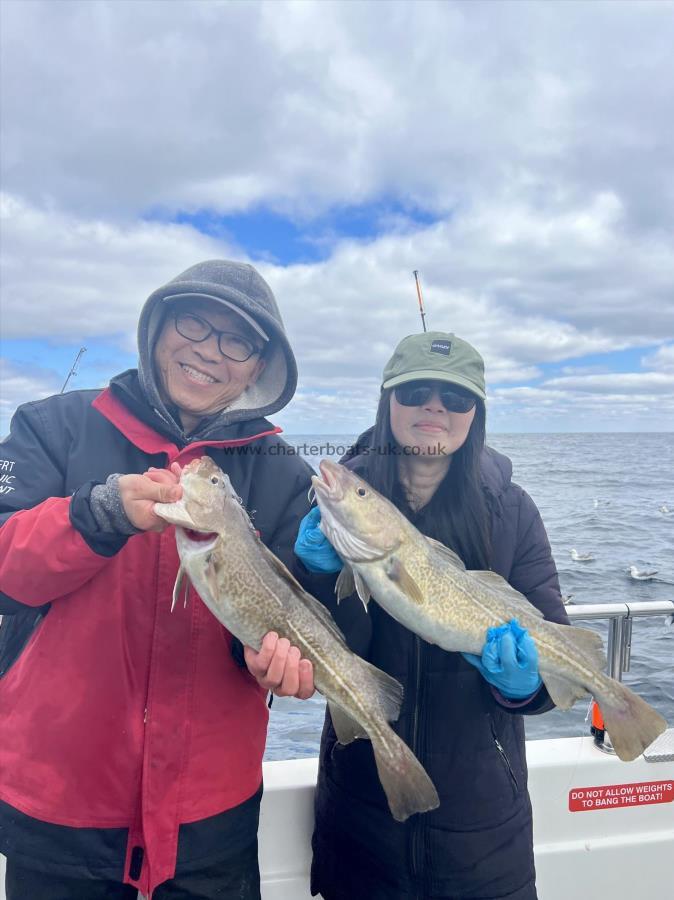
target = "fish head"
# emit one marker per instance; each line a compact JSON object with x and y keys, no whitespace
{"x":359,"y":523}
{"x":207,"y":497}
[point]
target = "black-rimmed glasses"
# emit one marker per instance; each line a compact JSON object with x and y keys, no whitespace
{"x":417,"y":393}
{"x":230,"y":344}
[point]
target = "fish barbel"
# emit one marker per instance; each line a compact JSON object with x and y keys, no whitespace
{"x":251,"y":592}
{"x":426,"y":587}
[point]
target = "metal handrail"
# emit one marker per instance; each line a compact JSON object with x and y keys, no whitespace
{"x":620,"y":616}
{"x":619,"y":649}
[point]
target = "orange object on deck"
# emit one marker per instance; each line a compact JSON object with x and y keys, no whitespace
{"x":597,"y":718}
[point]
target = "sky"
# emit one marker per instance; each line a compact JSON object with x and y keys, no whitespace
{"x":519,"y":155}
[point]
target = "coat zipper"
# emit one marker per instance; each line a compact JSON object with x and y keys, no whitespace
{"x":503,"y":755}
{"x":416,"y":826}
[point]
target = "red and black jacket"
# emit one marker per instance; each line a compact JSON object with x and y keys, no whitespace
{"x":131,"y":736}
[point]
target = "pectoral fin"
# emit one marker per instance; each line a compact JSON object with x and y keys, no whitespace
{"x":397,"y":572}
{"x":211,"y":576}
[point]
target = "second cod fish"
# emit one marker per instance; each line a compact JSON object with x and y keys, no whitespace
{"x":426,"y":587}
{"x":251,"y":592}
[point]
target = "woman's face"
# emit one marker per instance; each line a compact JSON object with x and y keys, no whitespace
{"x":429,"y":430}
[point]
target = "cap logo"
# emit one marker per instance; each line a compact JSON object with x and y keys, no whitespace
{"x":441,"y":347}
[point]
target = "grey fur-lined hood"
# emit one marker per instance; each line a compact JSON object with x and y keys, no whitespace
{"x":236,"y":285}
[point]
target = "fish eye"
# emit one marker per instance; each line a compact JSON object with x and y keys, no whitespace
{"x":214,"y":479}
{"x":361,"y":492}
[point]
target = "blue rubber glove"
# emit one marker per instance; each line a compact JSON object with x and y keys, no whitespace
{"x":313,"y":548}
{"x":509,"y":661}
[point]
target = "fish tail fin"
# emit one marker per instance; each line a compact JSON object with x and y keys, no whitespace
{"x":631,"y":723}
{"x":406,"y":783}
{"x":389,"y":691}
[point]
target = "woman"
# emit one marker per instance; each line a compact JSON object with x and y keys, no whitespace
{"x":461,"y":715}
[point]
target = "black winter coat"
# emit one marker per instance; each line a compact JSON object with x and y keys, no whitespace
{"x":470,"y":739}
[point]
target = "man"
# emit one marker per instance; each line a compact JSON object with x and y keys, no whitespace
{"x":132,"y":737}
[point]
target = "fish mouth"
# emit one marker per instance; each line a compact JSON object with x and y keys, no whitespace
{"x":328,"y":484}
{"x":191,"y":542}
{"x":198,"y":537}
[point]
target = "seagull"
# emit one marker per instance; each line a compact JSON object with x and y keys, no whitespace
{"x":641,"y":575}
{"x":665,"y":510}
{"x":581,"y":557}
{"x":568,"y":598}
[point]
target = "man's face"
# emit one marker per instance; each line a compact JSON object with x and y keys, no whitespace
{"x":196,"y":377}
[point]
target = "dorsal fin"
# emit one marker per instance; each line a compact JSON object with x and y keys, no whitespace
{"x":310,"y":602}
{"x":447,"y":555}
{"x":497,"y":584}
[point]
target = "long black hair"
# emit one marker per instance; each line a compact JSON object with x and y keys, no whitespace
{"x":457,"y":514}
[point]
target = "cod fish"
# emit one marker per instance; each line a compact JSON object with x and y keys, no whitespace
{"x":426,"y":587}
{"x":251,"y":592}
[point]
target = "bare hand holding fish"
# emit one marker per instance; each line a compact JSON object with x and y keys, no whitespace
{"x":279,"y":668}
{"x":252,"y":594}
{"x":139,"y":493}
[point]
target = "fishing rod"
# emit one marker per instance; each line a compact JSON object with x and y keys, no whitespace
{"x":73,"y":371}
{"x":421,"y":299}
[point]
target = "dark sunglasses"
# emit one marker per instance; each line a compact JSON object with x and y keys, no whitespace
{"x":417,"y":393}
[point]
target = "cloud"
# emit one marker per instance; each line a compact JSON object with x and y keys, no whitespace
{"x":136,"y":106}
{"x":20,"y":384}
{"x":484,"y":277}
{"x":662,"y":360}
{"x":640,"y":383}
{"x":544,"y":165}
{"x":63,"y":274}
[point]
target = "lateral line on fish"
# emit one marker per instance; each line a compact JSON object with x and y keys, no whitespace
{"x":300,"y":639}
{"x":357,"y":709}
{"x":459,"y":580}
{"x":346,"y":686}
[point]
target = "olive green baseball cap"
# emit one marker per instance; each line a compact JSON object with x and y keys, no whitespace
{"x":436,"y":355}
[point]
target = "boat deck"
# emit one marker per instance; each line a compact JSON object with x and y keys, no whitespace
{"x":603,"y":849}
{"x":618,"y":841}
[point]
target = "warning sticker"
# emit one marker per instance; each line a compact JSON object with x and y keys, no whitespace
{"x":610,"y":796}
